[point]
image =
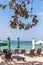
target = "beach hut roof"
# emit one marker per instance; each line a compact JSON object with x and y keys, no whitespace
{"x":39,"y":42}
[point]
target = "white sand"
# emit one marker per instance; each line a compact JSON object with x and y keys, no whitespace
{"x":1,"y":59}
{"x":27,"y":58}
{"x":39,"y":59}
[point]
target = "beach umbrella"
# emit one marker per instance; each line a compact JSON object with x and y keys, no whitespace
{"x":39,"y":42}
{"x":3,"y":44}
{"x":18,"y":46}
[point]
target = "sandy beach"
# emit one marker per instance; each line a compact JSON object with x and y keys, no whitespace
{"x":27,"y":60}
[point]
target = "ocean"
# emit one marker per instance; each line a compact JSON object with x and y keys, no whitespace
{"x":27,"y":45}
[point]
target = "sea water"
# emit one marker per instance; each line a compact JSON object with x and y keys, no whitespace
{"x":23,"y":45}
{"x":27,"y":45}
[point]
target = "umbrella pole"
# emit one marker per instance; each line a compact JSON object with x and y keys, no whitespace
{"x":9,"y":44}
{"x":18,"y":44}
{"x":40,"y":45}
{"x":0,"y":48}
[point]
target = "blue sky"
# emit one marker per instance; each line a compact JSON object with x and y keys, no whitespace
{"x":6,"y":31}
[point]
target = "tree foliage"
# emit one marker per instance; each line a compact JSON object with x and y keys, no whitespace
{"x":20,"y":9}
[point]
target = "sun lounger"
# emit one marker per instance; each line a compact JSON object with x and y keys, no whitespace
{"x":8,"y":56}
{"x":38,"y":52}
{"x":4,"y":51}
{"x":19,"y":57}
{"x":32,"y":52}
{"x":23,"y":51}
{"x":16,"y":51}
